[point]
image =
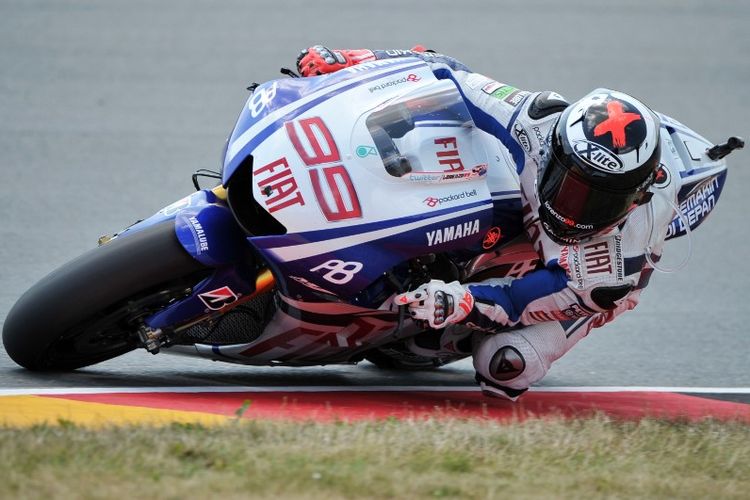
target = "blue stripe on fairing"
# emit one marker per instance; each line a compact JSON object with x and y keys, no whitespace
{"x":417,"y":125}
{"x":273,"y":126}
{"x":698,"y":171}
{"x":486,"y":122}
{"x":683,"y":130}
{"x":504,"y":193}
{"x":518,"y":294}
{"x":339,"y":232}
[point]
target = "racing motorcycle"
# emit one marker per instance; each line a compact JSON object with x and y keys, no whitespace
{"x":337,"y":192}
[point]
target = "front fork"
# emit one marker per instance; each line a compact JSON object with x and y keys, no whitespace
{"x":207,"y":230}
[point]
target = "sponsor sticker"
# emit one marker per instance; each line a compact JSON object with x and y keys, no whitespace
{"x":452,"y":176}
{"x":598,"y":156}
{"x":216,"y":299}
{"x":363,"y":151}
{"x":365,"y":66}
{"x":425,"y":177}
{"x":515,"y":97}
{"x":539,"y":137}
{"x":663,"y":177}
{"x":697,"y":205}
{"x":503,"y":91}
{"x":399,"y":52}
{"x":576,"y":268}
{"x":604,"y":258}
{"x":492,"y":237}
{"x":392,"y":83}
{"x":439,"y":177}
{"x":199,"y":235}
{"x":339,"y":272}
{"x":480,"y":169}
{"x":522,"y":137}
{"x":566,"y":220}
{"x":277,"y":184}
{"x":491,"y":87}
{"x":563,"y":260}
{"x":574,"y":311}
{"x":432,"y":201}
{"x":452,"y":233}
{"x":447,"y":153}
{"x":311,"y":285}
{"x":261,"y":99}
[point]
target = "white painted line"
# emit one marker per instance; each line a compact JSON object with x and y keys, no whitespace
{"x":690,"y":390}
{"x":223,"y":389}
{"x":354,"y":388}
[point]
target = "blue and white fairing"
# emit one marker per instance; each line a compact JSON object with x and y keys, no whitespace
{"x":366,"y":168}
{"x":701,"y":178}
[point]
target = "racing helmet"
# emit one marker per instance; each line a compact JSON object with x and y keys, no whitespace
{"x":605,"y":154}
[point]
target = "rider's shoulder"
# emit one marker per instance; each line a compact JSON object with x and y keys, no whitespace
{"x":545,"y":104}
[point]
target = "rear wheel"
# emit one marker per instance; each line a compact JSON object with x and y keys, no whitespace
{"x":398,"y":357}
{"x":88,"y":310}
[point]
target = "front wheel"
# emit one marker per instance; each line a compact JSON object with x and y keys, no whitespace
{"x":87,"y":311}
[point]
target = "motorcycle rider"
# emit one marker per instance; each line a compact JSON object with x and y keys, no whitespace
{"x":588,"y":173}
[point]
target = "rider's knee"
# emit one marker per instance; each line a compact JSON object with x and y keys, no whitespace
{"x":507,"y":364}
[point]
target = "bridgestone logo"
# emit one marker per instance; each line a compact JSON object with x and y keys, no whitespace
{"x":598,"y":156}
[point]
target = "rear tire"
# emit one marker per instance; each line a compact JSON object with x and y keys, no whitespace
{"x":396,"y":357}
{"x":78,"y":315}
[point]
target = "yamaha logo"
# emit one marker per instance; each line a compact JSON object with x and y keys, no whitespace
{"x":598,"y":156}
{"x":492,"y":237}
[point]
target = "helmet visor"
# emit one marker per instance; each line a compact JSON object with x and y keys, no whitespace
{"x":574,"y":208}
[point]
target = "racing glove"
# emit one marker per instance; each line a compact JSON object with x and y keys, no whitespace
{"x":438,"y":303}
{"x":319,"y":60}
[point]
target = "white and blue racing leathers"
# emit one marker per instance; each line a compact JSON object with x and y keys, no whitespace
{"x":531,"y":321}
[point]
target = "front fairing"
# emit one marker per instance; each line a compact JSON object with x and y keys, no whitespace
{"x":319,"y":172}
{"x":699,"y":178}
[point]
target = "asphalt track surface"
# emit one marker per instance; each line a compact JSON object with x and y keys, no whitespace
{"x":106,"y":108}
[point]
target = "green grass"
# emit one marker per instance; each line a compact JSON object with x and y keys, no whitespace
{"x":447,"y":458}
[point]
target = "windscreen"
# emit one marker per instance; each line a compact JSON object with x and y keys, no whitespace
{"x":427,"y":130}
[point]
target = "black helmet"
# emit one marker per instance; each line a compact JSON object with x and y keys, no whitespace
{"x":605,"y":153}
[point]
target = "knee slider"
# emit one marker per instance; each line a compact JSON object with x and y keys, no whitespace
{"x":508,"y":360}
{"x":507,"y":363}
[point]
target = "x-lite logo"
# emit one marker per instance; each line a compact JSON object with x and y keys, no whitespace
{"x":598,"y":155}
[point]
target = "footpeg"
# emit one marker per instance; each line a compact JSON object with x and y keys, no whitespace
{"x":151,"y":339}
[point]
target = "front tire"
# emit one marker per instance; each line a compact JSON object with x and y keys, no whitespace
{"x":85,"y":312}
